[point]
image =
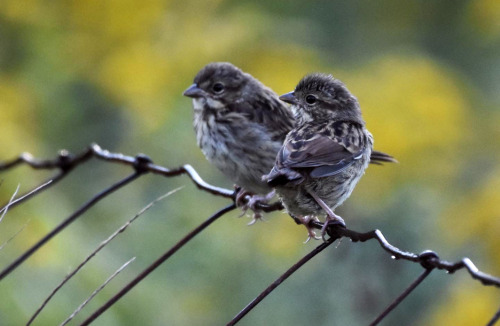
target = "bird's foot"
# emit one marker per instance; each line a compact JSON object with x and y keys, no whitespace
{"x":330,"y":221}
{"x":248,"y":201}
{"x":331,"y":217}
{"x":242,"y":196}
{"x":306,"y":221}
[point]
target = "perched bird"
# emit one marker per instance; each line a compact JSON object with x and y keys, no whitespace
{"x":240,"y":126}
{"x":325,"y":155}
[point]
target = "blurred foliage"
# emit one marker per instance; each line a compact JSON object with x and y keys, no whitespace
{"x":427,"y":75}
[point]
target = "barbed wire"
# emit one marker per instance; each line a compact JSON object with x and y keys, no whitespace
{"x":142,"y":164}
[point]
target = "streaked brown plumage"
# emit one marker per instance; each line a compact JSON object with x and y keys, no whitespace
{"x":325,"y":155}
{"x":240,"y":125}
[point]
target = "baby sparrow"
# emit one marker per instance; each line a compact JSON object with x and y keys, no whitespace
{"x":325,"y":155}
{"x":240,"y":126}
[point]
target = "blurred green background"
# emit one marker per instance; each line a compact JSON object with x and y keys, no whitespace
{"x":427,"y":75}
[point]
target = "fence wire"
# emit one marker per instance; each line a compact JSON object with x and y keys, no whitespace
{"x":66,"y":162}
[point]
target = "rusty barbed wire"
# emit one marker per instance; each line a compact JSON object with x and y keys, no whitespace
{"x":66,"y":162}
{"x":428,"y":259}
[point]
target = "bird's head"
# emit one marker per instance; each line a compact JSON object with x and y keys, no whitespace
{"x":320,"y":97}
{"x":218,"y":84}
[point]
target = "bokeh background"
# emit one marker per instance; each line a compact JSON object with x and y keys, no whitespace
{"x":427,"y":75}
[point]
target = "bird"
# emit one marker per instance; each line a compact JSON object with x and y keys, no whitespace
{"x":240,"y":125}
{"x":325,"y":155}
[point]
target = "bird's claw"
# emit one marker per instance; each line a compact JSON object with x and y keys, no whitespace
{"x":242,"y":197}
{"x":248,"y":201}
{"x":257,"y":216}
{"x":330,"y":222}
{"x":312,"y":235}
{"x":306,"y":221}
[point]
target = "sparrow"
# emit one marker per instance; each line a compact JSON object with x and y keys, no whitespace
{"x":325,"y":155}
{"x":240,"y":126}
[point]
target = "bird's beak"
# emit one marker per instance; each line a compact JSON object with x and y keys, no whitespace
{"x":289,"y":98}
{"x":193,"y":91}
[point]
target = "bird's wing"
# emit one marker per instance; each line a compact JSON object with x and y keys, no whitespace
{"x":266,"y":110}
{"x":327,"y":151}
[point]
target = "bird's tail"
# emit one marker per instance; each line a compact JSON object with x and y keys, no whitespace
{"x":379,"y":158}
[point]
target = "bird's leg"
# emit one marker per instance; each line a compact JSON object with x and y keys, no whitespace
{"x":240,"y":196}
{"x":252,"y":202}
{"x":306,"y":220}
{"x":331,"y":217}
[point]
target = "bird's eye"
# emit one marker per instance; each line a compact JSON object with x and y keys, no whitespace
{"x":311,"y":99}
{"x":218,"y":87}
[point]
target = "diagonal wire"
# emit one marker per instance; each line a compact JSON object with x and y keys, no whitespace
{"x":401,"y":297}
{"x":99,"y":248}
{"x":66,"y":162}
{"x":280,"y":280}
{"x":80,"y":307}
{"x":67,"y":222}
{"x":6,"y":242}
{"x":6,"y":208}
{"x":495,"y":318}
{"x":38,"y":189}
{"x":428,"y":259}
{"x":157,"y":263}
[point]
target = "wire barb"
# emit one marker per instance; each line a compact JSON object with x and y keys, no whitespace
{"x":428,"y":259}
